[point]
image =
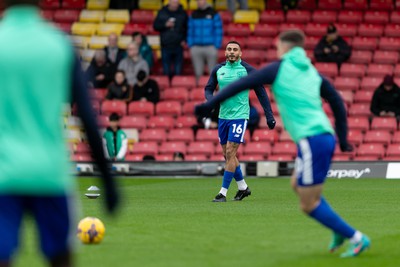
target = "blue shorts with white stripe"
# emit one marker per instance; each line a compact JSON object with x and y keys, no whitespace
{"x":231,"y":130}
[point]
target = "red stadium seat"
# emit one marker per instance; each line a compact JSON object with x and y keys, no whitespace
{"x":346,"y":30}
{"x":134,"y":157}
{"x":156,"y":135}
{"x":263,"y":135}
{"x":203,"y":81}
{"x":82,"y":148}
{"x":391,"y":158}
{"x":137,"y":122}
{"x":298,"y":16}
{"x":352,"y":70}
{"x":383,"y":123}
{"x":379,"y":70}
{"x":347,"y":83}
{"x":328,"y":69}
{"x":135,"y":27}
{"x":258,"y":148}
{"x":360,"y":57}
{"x":284,"y":137}
{"x":271,"y":55}
{"x":258,"y":42}
{"x":288,"y":148}
{"x":356,"y":5}
{"x":377,"y":136}
{"x":164,"y":157}
{"x":347,"y":96}
{"x":47,"y":14}
{"x":49,"y":4}
{"x":359,"y":109}
{"x":172,"y":147}
{"x":393,"y":150}
{"x":307,"y":4}
{"x":274,"y":4}
{"x":98,"y":94}
{"x":370,"y":83}
{"x":370,"y":30}
{"x":145,"y":148}
{"x":363,"y":96}
{"x":341,"y":157}
{"x":324,"y":16}
{"x":113,"y":106}
{"x":386,"y":57}
{"x":397,"y":70}
{"x":217,"y":157}
{"x":103,"y":121}
{"x":144,"y":108}
{"x":281,"y":157}
{"x":272,"y":16}
{"x":314,"y":29}
{"x":197,"y":94}
{"x":65,"y":27}
{"x":396,"y":137}
{"x":142,"y":16}
{"x":172,"y":108}
{"x":186,"y":121}
{"x":355,"y":136}
{"x":68,"y":16}
{"x":188,"y":107}
{"x":165,"y":122}
{"x":365,"y":43}
{"x":338,"y":152}
{"x":238,"y":30}
{"x":371,"y":149}
{"x":182,"y":134}
{"x":376,"y":17}
{"x":386,"y":5}
{"x":207,"y":135}
{"x":366,"y":158}
{"x":389,"y":43}
{"x":330,"y":4}
{"x":395,"y":17}
{"x":290,"y":26}
{"x":251,"y":157}
{"x":180,"y":94}
{"x":392,"y":30}
{"x":183,"y":81}
{"x":81,"y":157}
{"x":266,"y":30}
{"x":162,"y":81}
{"x":226,"y":17}
{"x":73,"y":4}
{"x":196,"y":157}
{"x":350,"y":16}
{"x":201,"y":148}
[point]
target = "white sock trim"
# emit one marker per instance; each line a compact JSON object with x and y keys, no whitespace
{"x":356,"y":237}
{"x":223,"y":191}
{"x":242,"y":184}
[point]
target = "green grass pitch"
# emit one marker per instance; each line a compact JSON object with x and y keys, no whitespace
{"x":172,"y":222}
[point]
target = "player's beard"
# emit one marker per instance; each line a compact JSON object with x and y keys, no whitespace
{"x":232,"y":58}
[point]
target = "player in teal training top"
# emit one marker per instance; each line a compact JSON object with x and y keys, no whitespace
{"x":233,"y":116}
{"x":39,"y":73}
{"x":298,"y":88}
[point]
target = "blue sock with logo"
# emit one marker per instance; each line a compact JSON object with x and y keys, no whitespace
{"x":324,"y":214}
{"x":238,"y":174}
{"x":226,"y":181}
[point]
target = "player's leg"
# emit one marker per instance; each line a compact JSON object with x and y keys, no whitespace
{"x":53,"y":218}
{"x":223,"y":128}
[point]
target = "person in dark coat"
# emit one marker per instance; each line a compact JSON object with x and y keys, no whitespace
{"x":386,"y":99}
{"x":144,"y":48}
{"x":332,"y":48}
{"x":119,"y":89}
{"x":171,"y":22}
{"x":146,"y":89}
{"x":100,"y":71}
{"x":113,"y":53}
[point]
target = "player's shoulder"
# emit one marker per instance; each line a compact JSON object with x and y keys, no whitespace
{"x":247,"y":66}
{"x":218,"y":66}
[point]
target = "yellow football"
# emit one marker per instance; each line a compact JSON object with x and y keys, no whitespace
{"x":91,"y":230}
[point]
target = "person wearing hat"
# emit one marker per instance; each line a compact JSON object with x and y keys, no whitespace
{"x":386,"y":99}
{"x":332,"y":48}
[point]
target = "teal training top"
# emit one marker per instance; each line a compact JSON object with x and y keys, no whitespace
{"x":35,"y":80}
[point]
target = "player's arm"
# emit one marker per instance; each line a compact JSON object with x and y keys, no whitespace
{"x":212,"y":83}
{"x":80,"y":96}
{"x":124,"y":147}
{"x":265,"y":75}
{"x":329,"y":93}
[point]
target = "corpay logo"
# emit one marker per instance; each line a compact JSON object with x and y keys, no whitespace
{"x":348,"y":173}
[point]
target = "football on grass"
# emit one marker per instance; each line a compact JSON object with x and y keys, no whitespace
{"x":91,"y":230}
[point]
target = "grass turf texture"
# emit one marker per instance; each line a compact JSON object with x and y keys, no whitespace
{"x":172,"y":222}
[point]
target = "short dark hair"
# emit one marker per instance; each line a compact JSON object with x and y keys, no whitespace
{"x":233,"y":42}
{"x":120,"y":71}
{"x":114,"y":117}
{"x":141,"y":75}
{"x":293,"y":37}
{"x":179,"y":154}
{"x":134,"y":34}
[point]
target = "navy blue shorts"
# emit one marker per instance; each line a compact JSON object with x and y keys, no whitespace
{"x":52,"y":217}
{"x":314,"y":158}
{"x":231,"y":130}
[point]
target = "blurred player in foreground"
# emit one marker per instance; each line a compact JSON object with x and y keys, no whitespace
{"x":298,"y":88}
{"x":38,"y":74}
{"x":233,"y":116}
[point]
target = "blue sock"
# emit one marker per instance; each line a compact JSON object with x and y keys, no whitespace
{"x":226,"y":181}
{"x":238,"y":174}
{"x":328,"y":217}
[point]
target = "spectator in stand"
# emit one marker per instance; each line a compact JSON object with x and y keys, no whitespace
{"x":146,"y":89}
{"x":232,"y":5}
{"x":119,"y":89}
{"x":171,"y":22}
{"x":289,"y":4}
{"x":332,"y":48}
{"x":133,"y":63}
{"x":144,"y":48}
{"x":204,"y":37}
{"x":115,"y":140}
{"x":254,"y":119}
{"x":386,"y":99}
{"x":100,"y":71}
{"x":113,"y":53}
{"x":178,"y":156}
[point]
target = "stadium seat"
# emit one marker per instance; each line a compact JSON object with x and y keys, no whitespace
{"x":162,"y":81}
{"x":365,"y":43}
{"x":134,"y":27}
{"x":132,"y":135}
{"x":81,"y":158}
{"x":386,"y":5}
{"x":360,"y":57}
{"x":355,"y":136}
{"x":203,"y":81}
{"x":358,"y":123}
{"x":389,"y":43}
{"x":350,"y":16}
{"x":339,"y":152}
{"x":196,"y":157}
{"x":98,"y":42}
{"x":172,"y":147}
{"x":347,"y":96}
{"x":157,"y":135}
{"x":298,"y":16}
{"x":363,"y":96}
{"x":370,"y":83}
{"x":347,"y":83}
{"x":145,"y":148}
{"x":257,"y":148}
{"x":144,"y":108}
{"x":185,"y":121}
{"x":165,"y":122}
{"x":182,"y":134}
{"x":330,"y":4}
{"x":366,"y":158}
{"x":66,"y":16}
{"x":49,"y":4}
{"x":258,"y":43}
{"x":328,"y":69}
{"x":73,"y":136}
{"x":384,"y":123}
{"x":73,"y":4}
{"x":386,"y":57}
{"x":272,"y":16}
{"x":376,"y":17}
{"x":284,"y":137}
{"x":288,"y":148}
{"x":307,"y":5}
{"x":80,"y":41}
{"x":263,"y":135}
{"x":397,"y":70}
{"x":391,"y":158}
{"x":246,"y":16}
{"x":87,"y":29}
{"x":379,"y":70}
{"x":98,"y":4}
{"x":91,"y":16}
{"x":238,"y":30}
{"x":137,"y":122}
{"x":150,"y":4}
{"x":117,"y":16}
{"x":371,"y":149}
{"x":324,"y":16}
{"x":359,"y":109}
{"x":164,"y":157}
{"x":392,"y":30}
{"x":98,"y":94}
{"x":103,"y":121}
{"x":352,"y":70}
{"x":341,"y":157}
{"x":290,"y":26}
{"x":265,"y":30}
{"x":226,"y":17}
{"x":314,"y":33}
{"x":393,"y":150}
{"x":370,"y":30}
{"x":281,"y":157}
{"x":396,"y":137}
{"x":134,"y":157}
{"x":111,"y":106}
{"x":183,"y":81}
{"x":201,"y":148}
{"x":395,"y":17}
{"x":251,"y":157}
{"x":87,"y":55}
{"x":188,"y":107}
{"x":210,"y":135}
{"x":142,"y":16}
{"x":346,"y":30}
{"x":377,"y":136}
{"x":356,"y":5}
{"x":180,"y":94}
{"x":173,"y":108}
{"x":106,"y":29}
{"x":196,"y":94}
{"x":65,"y":27}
